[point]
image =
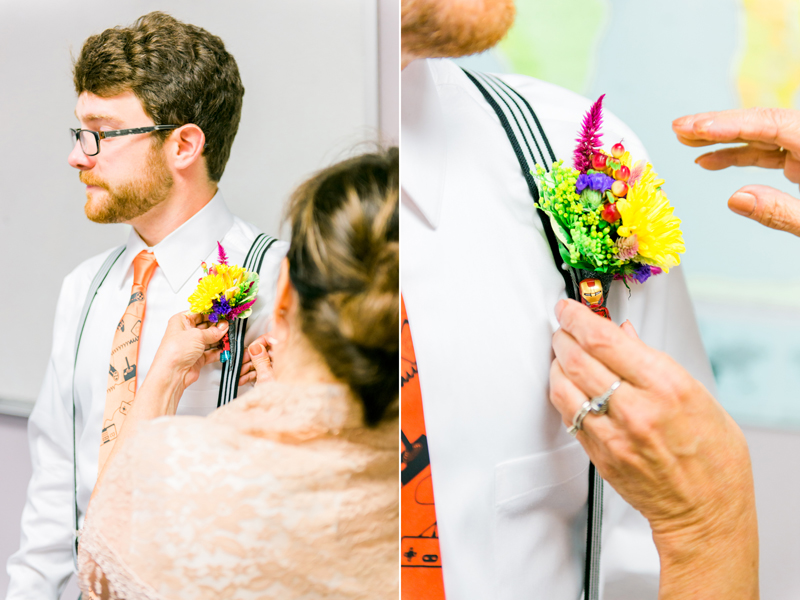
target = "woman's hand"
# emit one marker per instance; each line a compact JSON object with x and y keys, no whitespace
{"x":768,"y":138}
{"x":668,"y":447}
{"x":257,"y":363}
{"x":189,"y":343}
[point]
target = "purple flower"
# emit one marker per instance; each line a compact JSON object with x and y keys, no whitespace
{"x":599,"y":182}
{"x":640,"y":275}
{"x":220,"y":309}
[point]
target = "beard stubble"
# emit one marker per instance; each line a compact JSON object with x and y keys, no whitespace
{"x":132,"y":198}
{"x":451,"y":28}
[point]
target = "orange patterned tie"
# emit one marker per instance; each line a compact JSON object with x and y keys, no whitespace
{"x":421,"y":560}
{"x":124,"y":353}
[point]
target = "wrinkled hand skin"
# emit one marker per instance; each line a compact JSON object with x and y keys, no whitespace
{"x":669,"y":448}
{"x":190,"y":342}
{"x":765,"y":137}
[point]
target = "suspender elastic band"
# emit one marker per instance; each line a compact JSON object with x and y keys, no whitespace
{"x":520,"y":122}
{"x":229,"y":380}
{"x":98,"y":280}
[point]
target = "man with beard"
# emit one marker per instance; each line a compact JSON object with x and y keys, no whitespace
{"x":480,"y":285}
{"x":159,"y":105}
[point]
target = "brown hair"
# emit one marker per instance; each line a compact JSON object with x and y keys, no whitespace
{"x":181,"y":74}
{"x":344,"y":263}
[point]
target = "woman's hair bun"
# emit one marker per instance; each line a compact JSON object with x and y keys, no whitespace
{"x":344,"y":263}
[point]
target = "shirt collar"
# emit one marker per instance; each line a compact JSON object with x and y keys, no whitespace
{"x":180,"y":253}
{"x":423,"y":151}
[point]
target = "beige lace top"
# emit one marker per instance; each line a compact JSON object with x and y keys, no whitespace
{"x":280,"y":494}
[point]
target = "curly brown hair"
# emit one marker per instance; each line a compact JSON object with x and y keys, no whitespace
{"x":344,"y":260}
{"x":180,"y":73}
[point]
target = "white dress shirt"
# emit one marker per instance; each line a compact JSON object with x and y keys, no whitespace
{"x":480,"y":287}
{"x":44,"y":561}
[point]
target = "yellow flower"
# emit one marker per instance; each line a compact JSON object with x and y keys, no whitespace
{"x":646,"y":212}
{"x":225,"y":279}
{"x":209,"y":288}
{"x":232,"y":276}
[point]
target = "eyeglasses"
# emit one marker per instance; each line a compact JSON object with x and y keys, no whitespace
{"x":90,"y":140}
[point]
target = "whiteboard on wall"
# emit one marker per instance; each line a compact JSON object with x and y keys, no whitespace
{"x":310,"y":71}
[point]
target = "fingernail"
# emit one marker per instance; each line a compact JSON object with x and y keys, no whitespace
{"x":255,"y":349}
{"x":701,"y":157}
{"x":742,"y":203}
{"x":560,"y":306}
{"x":223,"y":325}
{"x":272,"y":341}
{"x":680,"y":121}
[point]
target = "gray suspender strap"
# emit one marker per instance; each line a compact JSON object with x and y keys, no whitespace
{"x":528,"y":140}
{"x":229,"y":381}
{"x":98,"y":280}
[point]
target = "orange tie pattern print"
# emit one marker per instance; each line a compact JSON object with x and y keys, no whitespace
{"x":121,"y":387}
{"x":421,"y":573}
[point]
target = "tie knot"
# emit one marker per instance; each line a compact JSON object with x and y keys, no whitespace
{"x":144,"y":265}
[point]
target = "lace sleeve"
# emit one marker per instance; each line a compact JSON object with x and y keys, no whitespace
{"x":237,"y":506}
{"x":103,"y":573}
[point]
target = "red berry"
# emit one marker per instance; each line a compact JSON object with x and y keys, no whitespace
{"x":619,"y":189}
{"x":610,"y":213}
{"x":622,"y":174}
{"x":599,"y":161}
{"x":617,"y":150}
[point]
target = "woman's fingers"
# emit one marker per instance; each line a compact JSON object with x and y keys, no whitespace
{"x":211,"y":335}
{"x":248,"y":378}
{"x":628,"y":329}
{"x":246,"y":358}
{"x":777,"y":126}
{"x":567,"y":398}
{"x":261,"y":362}
{"x":742,"y":156}
{"x":768,"y":206}
{"x":590,"y":376}
{"x":630,"y":359}
{"x":211,"y":356}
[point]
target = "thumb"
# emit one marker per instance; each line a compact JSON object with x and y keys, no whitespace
{"x":770,"y":207}
{"x":261,"y":362}
{"x":629,"y":330}
{"x":211,"y":335}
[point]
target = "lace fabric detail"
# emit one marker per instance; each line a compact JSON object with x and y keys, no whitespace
{"x":281,"y":494}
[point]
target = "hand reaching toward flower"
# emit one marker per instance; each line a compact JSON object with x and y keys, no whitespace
{"x":768,"y":138}
{"x":189,"y":343}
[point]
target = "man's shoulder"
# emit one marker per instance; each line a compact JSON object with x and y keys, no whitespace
{"x":555,"y":104}
{"x":560,"y":110}
{"x":242,"y":235}
{"x":84,"y":273}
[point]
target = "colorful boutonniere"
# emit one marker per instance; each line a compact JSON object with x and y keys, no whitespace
{"x":226,"y":292}
{"x":610,"y":215}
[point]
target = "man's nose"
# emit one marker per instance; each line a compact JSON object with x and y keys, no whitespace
{"x":78,"y":159}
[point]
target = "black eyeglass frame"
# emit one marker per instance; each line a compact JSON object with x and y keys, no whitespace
{"x":101,"y":135}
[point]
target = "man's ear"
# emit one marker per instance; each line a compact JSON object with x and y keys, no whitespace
{"x":186,"y":146}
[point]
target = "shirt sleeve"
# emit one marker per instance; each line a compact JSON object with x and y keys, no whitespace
{"x":44,"y":562}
